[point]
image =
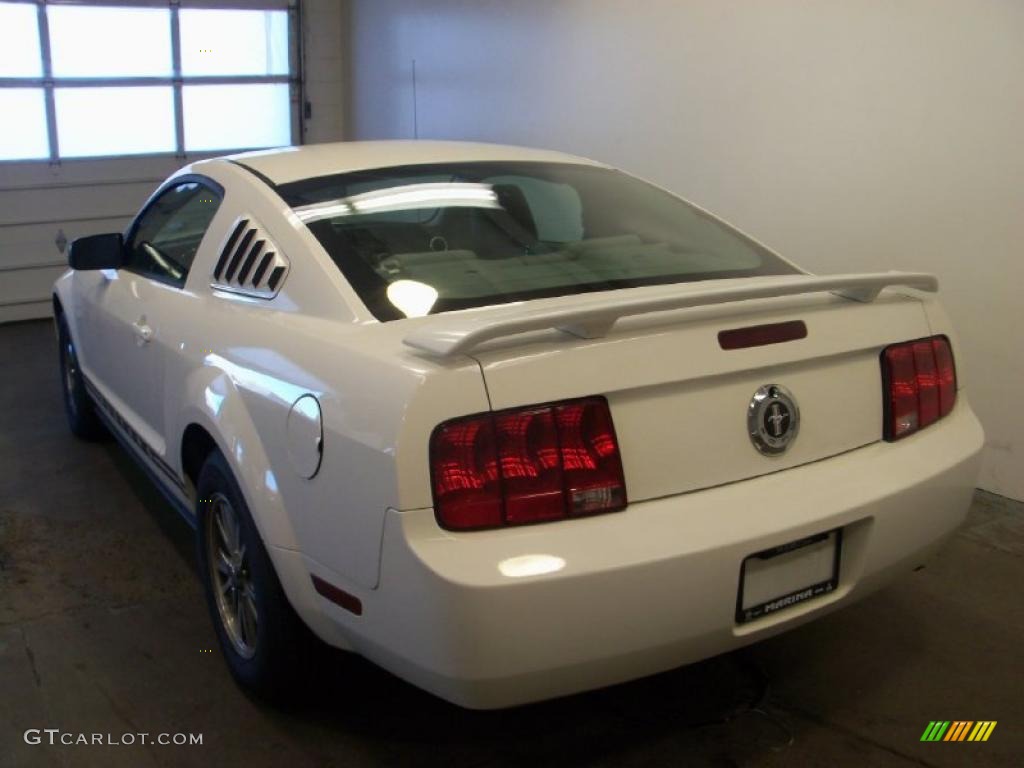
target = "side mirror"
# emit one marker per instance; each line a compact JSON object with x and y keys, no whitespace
{"x":97,"y":252}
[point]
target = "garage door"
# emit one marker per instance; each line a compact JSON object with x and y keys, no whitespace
{"x":102,"y":101}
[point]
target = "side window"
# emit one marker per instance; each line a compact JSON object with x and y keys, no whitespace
{"x":167,"y":235}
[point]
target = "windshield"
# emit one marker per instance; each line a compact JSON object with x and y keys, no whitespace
{"x":424,"y":239}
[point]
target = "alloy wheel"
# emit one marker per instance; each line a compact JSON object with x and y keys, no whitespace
{"x":234,"y":591}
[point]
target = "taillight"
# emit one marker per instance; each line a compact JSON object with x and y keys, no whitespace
{"x":527,"y":465}
{"x":919,"y":380}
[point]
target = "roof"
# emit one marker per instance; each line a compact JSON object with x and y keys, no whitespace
{"x":288,"y":164}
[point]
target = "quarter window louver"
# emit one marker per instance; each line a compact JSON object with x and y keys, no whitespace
{"x":247,"y":266}
{"x":265,"y":263}
{"x":229,"y":248}
{"x":275,"y":277}
{"x":249,"y":262}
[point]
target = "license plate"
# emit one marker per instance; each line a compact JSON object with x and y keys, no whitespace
{"x":787,"y":575}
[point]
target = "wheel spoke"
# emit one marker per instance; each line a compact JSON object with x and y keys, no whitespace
{"x":249,"y":595}
{"x":243,"y":628}
{"x":248,"y":621}
{"x":218,"y":516}
{"x":236,"y":533}
{"x":223,"y":562}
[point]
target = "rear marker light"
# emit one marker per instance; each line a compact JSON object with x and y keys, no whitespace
{"x":338,"y":596}
{"x":919,"y":380}
{"x":527,"y":465}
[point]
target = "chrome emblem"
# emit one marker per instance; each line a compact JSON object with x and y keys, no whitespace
{"x":773,"y":419}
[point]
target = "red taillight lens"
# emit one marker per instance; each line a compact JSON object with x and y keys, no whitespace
{"x":920,"y":385}
{"x":902,"y":381}
{"x":946,"y":373}
{"x":590,"y":458}
{"x":927,"y":384}
{"x":527,"y":465}
{"x":531,"y":472}
{"x":465,"y":473}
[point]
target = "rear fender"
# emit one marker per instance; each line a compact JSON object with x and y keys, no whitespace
{"x":212,"y":401}
{"x":216,"y":404}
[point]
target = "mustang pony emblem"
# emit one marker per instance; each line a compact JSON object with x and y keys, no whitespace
{"x":773,"y":419}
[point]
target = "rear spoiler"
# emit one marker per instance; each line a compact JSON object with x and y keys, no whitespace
{"x":593,"y":316}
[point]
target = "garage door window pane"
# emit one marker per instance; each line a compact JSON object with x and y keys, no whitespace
{"x":19,"y":41}
{"x":115,"y":121}
{"x":24,"y":124}
{"x":236,"y":116}
{"x":233,"y":42}
{"x":109,"y":42}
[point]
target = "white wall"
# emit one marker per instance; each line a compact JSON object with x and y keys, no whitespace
{"x":862,"y":135}
{"x":81,"y":197}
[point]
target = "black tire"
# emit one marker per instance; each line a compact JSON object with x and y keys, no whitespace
{"x":78,"y":406}
{"x":270,"y":666}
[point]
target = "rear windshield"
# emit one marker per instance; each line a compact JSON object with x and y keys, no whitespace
{"x":424,"y":239}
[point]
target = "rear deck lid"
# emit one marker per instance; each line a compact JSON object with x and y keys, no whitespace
{"x":681,"y":402}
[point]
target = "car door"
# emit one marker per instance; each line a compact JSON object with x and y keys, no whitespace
{"x":132,"y":307}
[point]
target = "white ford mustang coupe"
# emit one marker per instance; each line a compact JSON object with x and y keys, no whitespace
{"x":510,"y":423}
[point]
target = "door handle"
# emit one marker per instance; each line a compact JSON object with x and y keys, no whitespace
{"x":143,"y":333}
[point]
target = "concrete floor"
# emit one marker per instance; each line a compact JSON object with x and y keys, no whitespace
{"x":103,"y":630}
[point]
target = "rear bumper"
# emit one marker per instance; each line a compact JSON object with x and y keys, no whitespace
{"x":655,"y":586}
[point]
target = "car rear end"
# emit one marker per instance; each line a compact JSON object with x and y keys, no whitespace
{"x":709,"y":544}
{"x":690,"y":445}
